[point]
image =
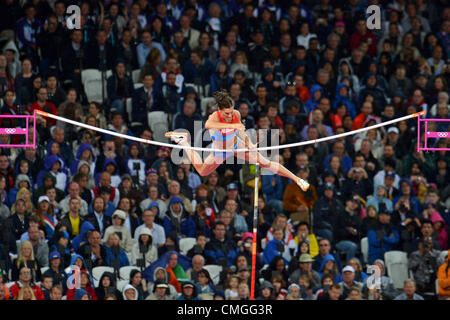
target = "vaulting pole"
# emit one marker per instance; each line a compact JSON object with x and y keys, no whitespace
{"x":255,"y":227}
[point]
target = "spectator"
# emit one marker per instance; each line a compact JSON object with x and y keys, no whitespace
{"x":118,"y":226}
{"x":119,"y":87}
{"x":326,"y":211}
{"x":115,"y":256}
{"x":305,"y":268}
{"x":144,"y":252}
{"x":73,"y":220}
{"x":144,"y":48}
{"x":409,"y":292}
{"x":99,"y":53}
{"x":26,"y":280}
{"x":383,"y":238}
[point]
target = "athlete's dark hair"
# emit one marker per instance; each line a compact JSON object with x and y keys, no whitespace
{"x":223,"y":99}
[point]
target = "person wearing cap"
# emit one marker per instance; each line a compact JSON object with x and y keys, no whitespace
{"x":118,"y":226}
{"x":305,"y":268}
{"x":45,"y":211}
{"x":161,"y":291}
{"x":348,"y":276}
{"x":232,"y":192}
{"x":188,"y":291}
{"x":383,"y":238}
{"x":56,"y":269}
{"x":326,"y":212}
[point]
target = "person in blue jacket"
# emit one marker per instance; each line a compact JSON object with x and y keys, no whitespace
{"x":342,"y":96}
{"x":379,"y":199}
{"x":114,"y":253}
{"x":406,"y":190}
{"x":219,"y":247}
{"x":276,"y":247}
{"x":272,"y":188}
{"x":82,"y":155}
{"x":316,"y":92}
{"x":384,"y":237}
{"x":81,"y":238}
{"x":179,"y":220}
{"x":329,"y":266}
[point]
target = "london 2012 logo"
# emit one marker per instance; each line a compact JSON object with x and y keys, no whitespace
{"x":373,"y":21}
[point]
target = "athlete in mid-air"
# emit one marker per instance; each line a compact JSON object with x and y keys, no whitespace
{"x":228,"y":132}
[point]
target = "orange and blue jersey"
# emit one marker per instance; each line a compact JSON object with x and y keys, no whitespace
{"x":224,"y":135}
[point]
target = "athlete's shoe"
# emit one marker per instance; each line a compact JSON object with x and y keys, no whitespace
{"x":303,"y":184}
{"x":178,"y":137}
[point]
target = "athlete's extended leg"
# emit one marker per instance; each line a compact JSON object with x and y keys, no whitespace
{"x":203,"y":168}
{"x":275,"y":167}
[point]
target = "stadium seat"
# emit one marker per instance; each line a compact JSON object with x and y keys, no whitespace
{"x":186,"y":244}
{"x":159,"y":123}
{"x":135,"y":75}
{"x":43,"y":269}
{"x":138,"y":85}
{"x":9,"y":284}
{"x":97,"y":273}
{"x":121,"y":284}
{"x":365,"y":249}
{"x":214,"y":272}
{"x":18,"y":243}
{"x":397,"y":267}
{"x":92,"y":83}
{"x":124,"y":272}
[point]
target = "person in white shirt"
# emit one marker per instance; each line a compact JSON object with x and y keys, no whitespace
{"x":158,"y":234}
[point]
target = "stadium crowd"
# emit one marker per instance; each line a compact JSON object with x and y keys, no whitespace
{"x":306,"y":68}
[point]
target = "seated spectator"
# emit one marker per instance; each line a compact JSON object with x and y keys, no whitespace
{"x":118,"y":226}
{"x":119,"y":88}
{"x":43,"y":104}
{"x":98,"y":218}
{"x":348,"y":230}
{"x":27,"y":259}
{"x":93,"y":251}
{"x":144,"y":251}
{"x":324,"y":250}
{"x":177,"y":219}
{"x":26,"y":280}
{"x":188,"y":291}
{"x":56,"y":269}
{"x":205,"y":285}
{"x":409,"y":291}
{"x":72,"y":219}
{"x":327,"y":210}
{"x":107,"y":286}
{"x":348,"y":281}
{"x":115,"y":255}
{"x":161,"y":291}
{"x":305,"y":268}
{"x":276,"y":247}
{"x":333,"y":293}
{"x":219,"y":250}
{"x":86,"y":285}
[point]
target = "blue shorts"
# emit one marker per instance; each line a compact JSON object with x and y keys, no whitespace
{"x":227,"y":154}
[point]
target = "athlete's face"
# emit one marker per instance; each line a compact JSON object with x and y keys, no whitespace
{"x":227,"y":114}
